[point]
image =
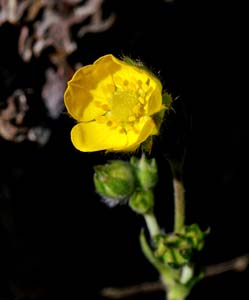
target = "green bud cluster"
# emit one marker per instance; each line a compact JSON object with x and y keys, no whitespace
{"x":173,"y":256}
{"x":178,"y":249}
{"x":133,"y":181}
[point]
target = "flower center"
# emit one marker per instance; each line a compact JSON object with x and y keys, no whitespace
{"x":126,"y":106}
{"x":122,"y":104}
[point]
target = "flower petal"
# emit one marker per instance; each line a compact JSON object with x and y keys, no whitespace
{"x":144,"y":128}
{"x":81,"y":105}
{"x":93,"y":136}
{"x":155,"y":101}
{"x":109,"y":62}
{"x":90,"y":84}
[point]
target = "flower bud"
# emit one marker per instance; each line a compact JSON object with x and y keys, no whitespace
{"x":142,"y":202}
{"x":146,"y":172}
{"x":196,"y":236}
{"x":115,"y":181}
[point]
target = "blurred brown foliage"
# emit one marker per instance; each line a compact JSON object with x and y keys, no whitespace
{"x":47,"y":30}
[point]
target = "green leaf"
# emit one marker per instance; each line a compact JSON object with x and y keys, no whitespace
{"x":149,"y":253}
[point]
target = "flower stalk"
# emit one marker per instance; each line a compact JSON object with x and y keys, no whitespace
{"x":152,"y":224}
{"x":179,"y":200}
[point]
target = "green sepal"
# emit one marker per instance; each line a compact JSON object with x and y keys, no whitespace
{"x":167,"y":100}
{"x":159,"y":117}
{"x":146,"y":146}
{"x":131,"y":61}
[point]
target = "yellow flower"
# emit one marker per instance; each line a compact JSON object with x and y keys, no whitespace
{"x":113,"y":103}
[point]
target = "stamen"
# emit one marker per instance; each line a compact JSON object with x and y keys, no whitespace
{"x":141,"y":110}
{"x":141,"y":100}
{"x":136,"y":109}
{"x":132,"y":118}
{"x":97,"y":104}
{"x":101,"y":119}
{"x":109,"y":123}
{"x":126,"y":82}
{"x":122,"y":130}
{"x":109,"y":88}
{"x":105,"y":107}
{"x":139,"y":82}
{"x":130,"y":127}
{"x":140,"y":92}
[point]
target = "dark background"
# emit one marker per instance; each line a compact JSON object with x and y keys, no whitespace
{"x":58,"y":240}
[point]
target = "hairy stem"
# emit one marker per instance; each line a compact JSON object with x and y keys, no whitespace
{"x":179,"y":204}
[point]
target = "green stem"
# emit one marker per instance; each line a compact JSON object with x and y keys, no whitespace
{"x":177,"y":293}
{"x":169,"y":276}
{"x":179,"y":204}
{"x":152,"y":224}
{"x":174,"y":289}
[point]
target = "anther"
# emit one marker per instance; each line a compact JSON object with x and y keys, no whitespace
{"x":139,"y":82}
{"x":140,"y":92}
{"x":105,"y":107}
{"x":132,"y":118}
{"x":97,"y":103}
{"x":122,"y":130}
{"x":101,"y":119}
{"x":109,"y":123}
{"x":141,"y":100}
{"x":137,"y":108}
